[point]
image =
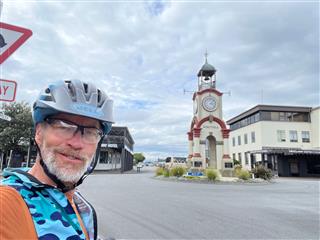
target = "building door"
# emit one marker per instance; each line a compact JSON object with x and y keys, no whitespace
{"x":294,"y":168}
{"x":211,"y":151}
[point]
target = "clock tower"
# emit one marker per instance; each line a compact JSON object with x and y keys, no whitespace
{"x":208,"y":136}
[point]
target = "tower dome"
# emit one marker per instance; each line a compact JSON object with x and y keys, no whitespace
{"x":207,"y":70}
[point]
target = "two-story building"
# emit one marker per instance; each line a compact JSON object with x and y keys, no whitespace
{"x":283,"y":138}
{"x":116,"y":151}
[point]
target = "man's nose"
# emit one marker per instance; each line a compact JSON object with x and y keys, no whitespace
{"x":77,"y":140}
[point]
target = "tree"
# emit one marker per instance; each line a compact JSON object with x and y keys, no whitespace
{"x":236,"y":162}
{"x":138,"y":157}
{"x":16,"y":134}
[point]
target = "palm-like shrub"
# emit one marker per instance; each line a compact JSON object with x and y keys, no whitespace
{"x":211,"y":174}
{"x":237,"y":169}
{"x":166,"y":172}
{"x":159,"y":171}
{"x":177,"y":171}
{"x":243,"y":174}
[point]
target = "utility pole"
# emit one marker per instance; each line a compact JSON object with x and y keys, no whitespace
{"x":1,"y":4}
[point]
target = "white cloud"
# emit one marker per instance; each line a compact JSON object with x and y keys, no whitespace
{"x":145,"y":54}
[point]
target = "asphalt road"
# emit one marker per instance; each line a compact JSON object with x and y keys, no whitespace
{"x":136,"y":206}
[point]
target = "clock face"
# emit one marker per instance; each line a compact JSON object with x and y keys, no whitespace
{"x":195,"y":106}
{"x":209,"y":103}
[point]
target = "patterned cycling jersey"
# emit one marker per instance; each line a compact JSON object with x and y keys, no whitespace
{"x":52,"y":214}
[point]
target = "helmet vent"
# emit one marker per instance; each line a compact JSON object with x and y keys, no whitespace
{"x":47,"y":98}
{"x":72,"y":91}
{"x":85,"y":86}
{"x":99,"y":95}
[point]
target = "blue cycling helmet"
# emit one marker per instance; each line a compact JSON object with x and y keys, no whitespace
{"x":74,"y":97}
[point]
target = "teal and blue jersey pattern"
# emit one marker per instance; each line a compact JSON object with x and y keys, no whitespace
{"x":53,"y":216}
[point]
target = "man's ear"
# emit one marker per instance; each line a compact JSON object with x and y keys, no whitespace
{"x":38,"y":134}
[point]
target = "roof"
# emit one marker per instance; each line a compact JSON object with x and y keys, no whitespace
{"x":269,"y":108}
{"x":207,"y":69}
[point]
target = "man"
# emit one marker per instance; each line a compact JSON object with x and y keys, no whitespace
{"x":71,"y":118}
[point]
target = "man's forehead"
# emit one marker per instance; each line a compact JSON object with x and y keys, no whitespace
{"x":81,"y":120}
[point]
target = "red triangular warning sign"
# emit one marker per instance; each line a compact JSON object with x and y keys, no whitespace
{"x":11,"y":38}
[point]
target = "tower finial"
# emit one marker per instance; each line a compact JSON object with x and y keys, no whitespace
{"x":206,"y":55}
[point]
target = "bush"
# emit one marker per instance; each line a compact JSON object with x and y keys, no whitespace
{"x":211,"y":174}
{"x":261,"y":171}
{"x":237,"y":169}
{"x":166,"y":172}
{"x":177,"y":171}
{"x":159,"y":171}
{"x":243,"y":174}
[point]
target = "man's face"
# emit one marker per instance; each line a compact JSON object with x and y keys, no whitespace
{"x":69,"y":158}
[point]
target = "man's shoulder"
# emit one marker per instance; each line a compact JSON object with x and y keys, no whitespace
{"x":13,"y":211}
{"x":9,"y":195}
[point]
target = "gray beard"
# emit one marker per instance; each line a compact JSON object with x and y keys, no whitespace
{"x":65,"y":175}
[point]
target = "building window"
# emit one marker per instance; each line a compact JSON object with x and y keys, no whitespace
{"x":305,"y":135}
{"x":282,"y":116}
{"x":239,"y":140}
{"x":233,"y":141}
{"x":234,"y":156}
{"x":274,"y":116}
{"x":281,"y":135}
{"x":239,"y":157}
{"x":103,"y":157}
{"x":265,"y":157}
{"x":253,"y":137}
{"x":301,"y":117}
{"x":118,"y":158}
{"x":245,"y":138}
{"x":293,"y":136}
{"x":256,"y":117}
{"x":228,"y":165}
{"x":246,"y":158}
{"x":246,"y":121}
{"x":285,"y":116}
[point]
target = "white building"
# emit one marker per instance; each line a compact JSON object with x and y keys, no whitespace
{"x":283,"y":138}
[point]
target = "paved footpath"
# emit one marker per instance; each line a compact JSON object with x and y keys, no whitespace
{"x":136,"y":206}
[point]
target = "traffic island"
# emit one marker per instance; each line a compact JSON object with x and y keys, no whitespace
{"x":220,"y":180}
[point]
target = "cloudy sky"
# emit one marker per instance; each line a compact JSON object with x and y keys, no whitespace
{"x":145,"y":53}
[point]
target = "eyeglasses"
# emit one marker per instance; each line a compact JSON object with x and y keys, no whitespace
{"x":66,"y":130}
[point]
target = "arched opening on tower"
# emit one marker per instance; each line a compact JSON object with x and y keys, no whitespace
{"x":211,"y":151}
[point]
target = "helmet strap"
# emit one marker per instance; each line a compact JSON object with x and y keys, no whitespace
{"x":93,"y":164}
